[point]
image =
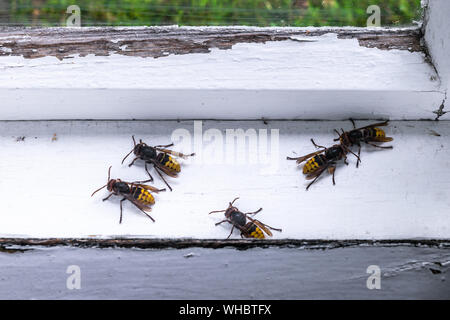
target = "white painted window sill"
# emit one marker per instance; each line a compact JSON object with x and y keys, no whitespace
{"x":394,"y":194}
{"x":304,"y":73}
{"x":265,"y":73}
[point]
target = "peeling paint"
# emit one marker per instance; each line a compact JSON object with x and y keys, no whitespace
{"x":160,"y":42}
{"x":23,"y":244}
{"x":440,"y":112}
{"x":437,"y":39}
{"x":13,"y":249}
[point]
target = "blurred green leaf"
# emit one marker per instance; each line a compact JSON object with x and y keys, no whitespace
{"x":213,"y":12}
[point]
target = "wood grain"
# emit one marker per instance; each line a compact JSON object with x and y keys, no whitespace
{"x":162,"y":41}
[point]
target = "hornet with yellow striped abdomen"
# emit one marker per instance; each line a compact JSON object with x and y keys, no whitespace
{"x":251,"y":229}
{"x":159,"y":157}
{"x":367,"y":134}
{"x":135,"y":192}
{"x":322,"y":160}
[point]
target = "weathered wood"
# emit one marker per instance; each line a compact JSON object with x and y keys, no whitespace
{"x":205,"y":274}
{"x":314,"y":73}
{"x":437,"y":40}
{"x":162,"y":41}
{"x":9,"y":245}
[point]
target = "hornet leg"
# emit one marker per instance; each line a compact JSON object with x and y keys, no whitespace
{"x":372,"y":144}
{"x":121,"y":209}
{"x":148,"y":172}
{"x":143,"y":211}
{"x":217,"y":211}
{"x":148,"y":215}
{"x":231,"y":203}
{"x":232,"y":229}
{"x":354,"y":154}
{"x":359,"y":154}
{"x":157,"y":170}
{"x":255,"y":212}
{"x":266,"y":225}
{"x":108,"y":197}
{"x":145,"y":181}
{"x":317,"y":146}
{"x":132,"y":162}
{"x":332,"y":170}
{"x":165,"y":146}
{"x":226,"y":220}
{"x":309,"y":185}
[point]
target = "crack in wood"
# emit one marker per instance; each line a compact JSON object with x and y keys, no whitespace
{"x":6,"y":249}
{"x":399,"y":41}
{"x":440,"y":112}
{"x":22,"y":244}
{"x":156,"y":42}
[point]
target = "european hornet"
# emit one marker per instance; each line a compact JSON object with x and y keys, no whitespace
{"x":135,"y":192}
{"x":251,"y":229}
{"x":159,"y":157}
{"x":322,"y":160}
{"x":367,"y":134}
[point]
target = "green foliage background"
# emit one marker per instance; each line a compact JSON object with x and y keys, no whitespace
{"x":214,"y":12}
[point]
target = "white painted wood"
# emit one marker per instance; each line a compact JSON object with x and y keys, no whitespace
{"x":437,"y":37}
{"x":274,"y":273}
{"x":399,"y":193}
{"x":230,"y":104}
{"x":328,"y":78}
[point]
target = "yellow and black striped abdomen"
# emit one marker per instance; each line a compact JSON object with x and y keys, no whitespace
{"x":143,"y":196}
{"x":170,"y":163}
{"x":379,"y":133}
{"x":313,"y":164}
{"x":255,"y":232}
